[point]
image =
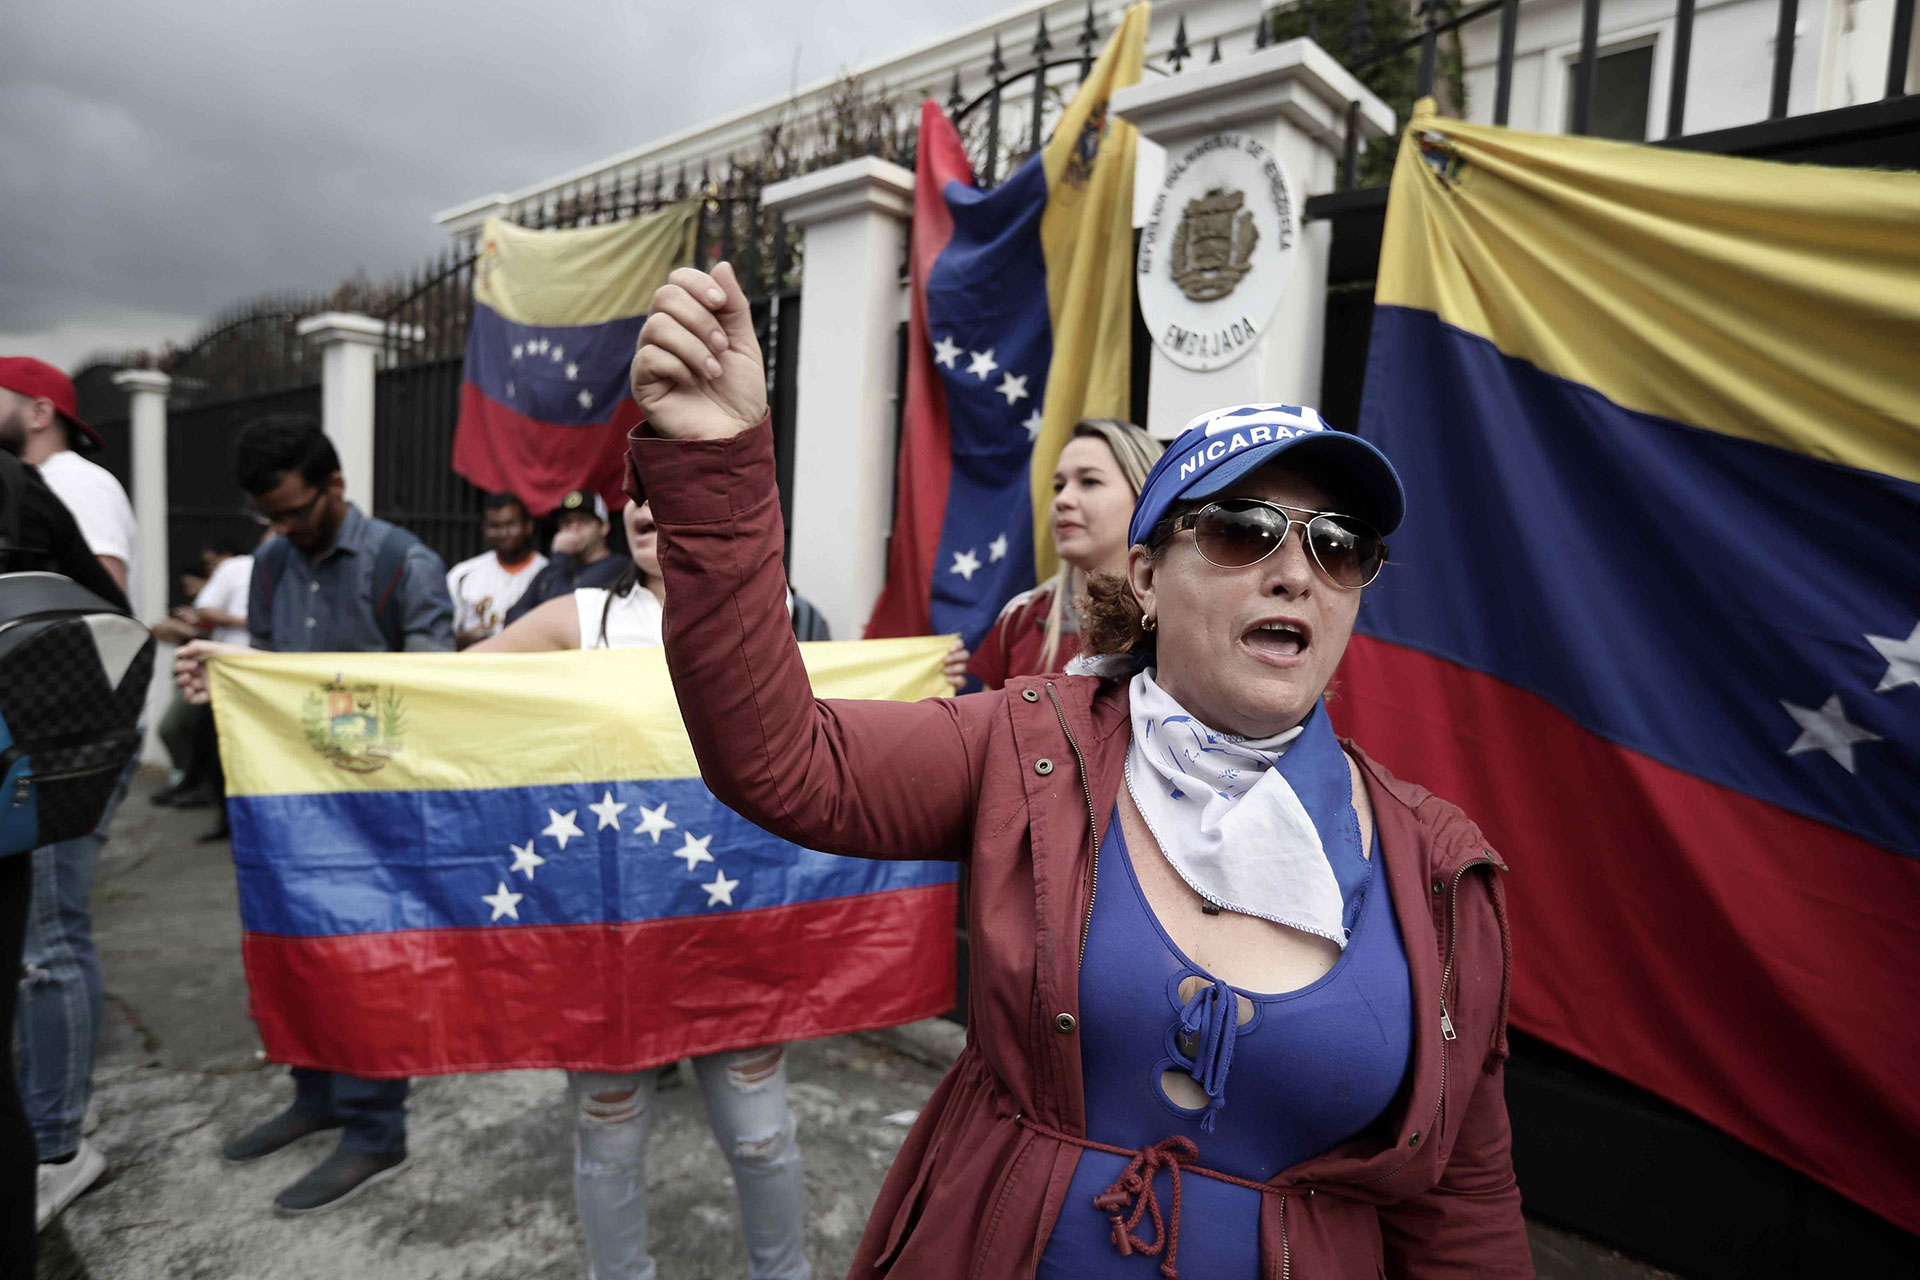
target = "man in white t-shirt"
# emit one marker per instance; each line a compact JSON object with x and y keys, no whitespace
{"x":220,"y":610}
{"x":38,"y":420}
{"x":58,"y":1015}
{"x":485,"y":587}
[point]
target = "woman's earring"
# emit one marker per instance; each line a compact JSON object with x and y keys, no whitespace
{"x":1148,"y":623}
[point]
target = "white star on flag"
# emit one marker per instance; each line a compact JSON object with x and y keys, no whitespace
{"x":946,"y":351}
{"x":720,"y":890}
{"x":1033,"y":424}
{"x":562,"y":828}
{"x":1014,"y":389}
{"x":539,"y":344}
{"x":506,"y":904}
{"x":653,"y":822}
{"x":608,"y":812}
{"x":965,"y":563}
{"x":558,"y":354}
{"x":1903,"y":659}
{"x":573,"y":372}
{"x":585,"y":398}
{"x":997,"y":549}
{"x":518,"y":349}
{"x":509,"y":388}
{"x":525,"y":859}
{"x":981,"y":363}
{"x":695,"y":850}
{"x":1828,"y":730}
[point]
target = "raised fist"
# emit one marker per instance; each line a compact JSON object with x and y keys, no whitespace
{"x":697,"y":373}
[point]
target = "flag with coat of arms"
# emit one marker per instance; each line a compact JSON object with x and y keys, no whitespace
{"x":475,"y":862}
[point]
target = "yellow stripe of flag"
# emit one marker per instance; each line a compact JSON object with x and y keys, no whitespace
{"x":582,"y":275}
{"x":297,"y":724}
{"x":1086,"y":236}
{"x":1777,"y":303}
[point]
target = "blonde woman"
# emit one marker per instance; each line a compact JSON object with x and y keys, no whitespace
{"x":1099,"y":475}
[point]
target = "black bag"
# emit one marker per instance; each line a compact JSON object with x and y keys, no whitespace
{"x":74,"y":672}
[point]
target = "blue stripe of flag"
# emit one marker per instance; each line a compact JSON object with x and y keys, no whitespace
{"x":563,"y":374}
{"x":370,"y":862}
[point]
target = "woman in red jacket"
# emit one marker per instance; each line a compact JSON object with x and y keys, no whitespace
{"x":1238,"y":996}
{"x":1099,"y":475}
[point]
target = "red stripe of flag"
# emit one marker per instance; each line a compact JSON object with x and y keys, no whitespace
{"x":926,"y":444}
{"x":1676,"y":932}
{"x":603,"y":997}
{"x":497,"y":448}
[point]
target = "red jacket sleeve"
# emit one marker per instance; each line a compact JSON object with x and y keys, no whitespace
{"x":871,"y":779}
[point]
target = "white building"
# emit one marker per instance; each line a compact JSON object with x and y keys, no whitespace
{"x":1839,"y":59}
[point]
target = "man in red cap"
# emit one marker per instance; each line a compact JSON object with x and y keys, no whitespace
{"x":40,"y":421}
{"x":60,"y":995}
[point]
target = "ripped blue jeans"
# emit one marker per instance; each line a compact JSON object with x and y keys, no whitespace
{"x":746,"y":1097}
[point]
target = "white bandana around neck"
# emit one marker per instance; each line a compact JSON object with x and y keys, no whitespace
{"x":1226,"y":818}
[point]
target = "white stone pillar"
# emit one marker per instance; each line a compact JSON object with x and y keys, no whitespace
{"x":1293,"y":98}
{"x":147,"y":412}
{"x":147,"y":417}
{"x":349,"y":346}
{"x":853,"y":218}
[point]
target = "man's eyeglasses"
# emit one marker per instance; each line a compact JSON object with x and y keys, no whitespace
{"x":1236,"y":532}
{"x":267,"y":519}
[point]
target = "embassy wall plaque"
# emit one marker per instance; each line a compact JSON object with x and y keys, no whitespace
{"x":1217,"y":250}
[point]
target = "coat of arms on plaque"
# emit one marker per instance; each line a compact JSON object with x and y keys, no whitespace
{"x":1213,"y":245}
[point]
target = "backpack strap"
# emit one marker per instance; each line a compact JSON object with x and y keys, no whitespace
{"x":389,"y":569}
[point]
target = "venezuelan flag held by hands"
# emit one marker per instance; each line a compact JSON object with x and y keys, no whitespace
{"x":1658,"y":627}
{"x":467,"y":863}
{"x":544,"y":407}
{"x":1020,"y":325}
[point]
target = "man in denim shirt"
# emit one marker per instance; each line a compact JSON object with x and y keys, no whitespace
{"x":333,"y":581}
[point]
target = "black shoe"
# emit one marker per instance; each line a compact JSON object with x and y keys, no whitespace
{"x":201,"y":797}
{"x":165,"y":795}
{"x":336,"y":1178}
{"x":268,"y":1137}
{"x":220,"y":831}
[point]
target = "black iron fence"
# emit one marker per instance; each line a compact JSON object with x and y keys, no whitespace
{"x":417,"y":403}
{"x":1440,"y":19}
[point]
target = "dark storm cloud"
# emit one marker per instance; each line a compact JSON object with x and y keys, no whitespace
{"x":159,"y":162}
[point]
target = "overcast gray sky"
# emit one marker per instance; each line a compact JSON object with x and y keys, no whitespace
{"x":161,"y":161}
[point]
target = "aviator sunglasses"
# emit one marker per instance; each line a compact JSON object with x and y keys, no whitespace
{"x":1236,"y":532}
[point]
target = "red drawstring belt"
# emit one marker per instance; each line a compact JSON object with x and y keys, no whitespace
{"x":1134,"y":1188}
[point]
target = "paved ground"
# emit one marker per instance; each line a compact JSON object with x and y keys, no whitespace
{"x":488,"y":1195}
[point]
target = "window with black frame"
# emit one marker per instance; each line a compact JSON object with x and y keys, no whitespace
{"x":1622,"y":89}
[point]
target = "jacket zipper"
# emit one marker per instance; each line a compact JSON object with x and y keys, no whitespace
{"x":1086,"y":789}
{"x":1286,"y":1245}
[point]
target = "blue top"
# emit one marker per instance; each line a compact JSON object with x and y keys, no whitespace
{"x":1309,"y":1070}
{"x":326,"y":605}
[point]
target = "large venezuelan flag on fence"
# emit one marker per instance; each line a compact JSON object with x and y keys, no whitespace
{"x":556,"y":314}
{"x":466,"y":863}
{"x":1021,"y":324}
{"x":1658,"y":622}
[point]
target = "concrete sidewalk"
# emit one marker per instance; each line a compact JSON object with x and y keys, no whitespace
{"x":488,"y":1195}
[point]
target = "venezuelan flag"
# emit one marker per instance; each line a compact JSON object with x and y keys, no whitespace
{"x":469,"y":863}
{"x":1658,"y":624}
{"x":543,"y":398}
{"x":1020,"y":325}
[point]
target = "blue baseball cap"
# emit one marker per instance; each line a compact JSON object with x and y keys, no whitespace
{"x":1219,"y":448}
